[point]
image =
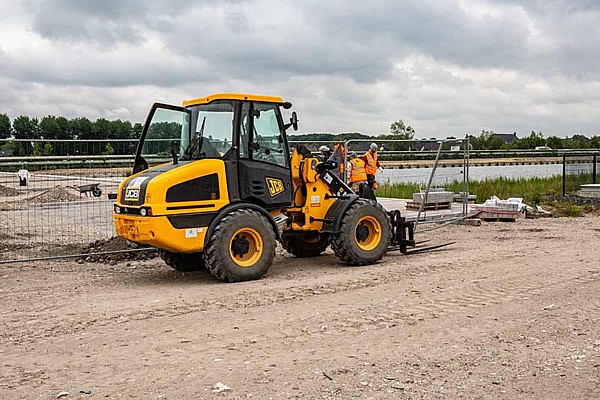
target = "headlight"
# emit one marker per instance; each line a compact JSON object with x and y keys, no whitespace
{"x":117,"y":210}
{"x":143,"y":212}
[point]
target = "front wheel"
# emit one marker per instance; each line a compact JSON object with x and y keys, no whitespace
{"x":364,"y":234}
{"x":241,"y":247}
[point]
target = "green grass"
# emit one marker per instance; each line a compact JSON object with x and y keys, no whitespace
{"x":532,"y":190}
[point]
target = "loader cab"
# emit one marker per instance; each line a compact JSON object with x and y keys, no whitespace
{"x":246,"y":133}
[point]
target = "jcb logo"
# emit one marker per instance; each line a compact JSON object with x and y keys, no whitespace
{"x":275,"y":186}
{"x":132,"y":193}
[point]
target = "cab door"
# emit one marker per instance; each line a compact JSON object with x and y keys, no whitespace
{"x":263,"y":168}
{"x":166,"y":130}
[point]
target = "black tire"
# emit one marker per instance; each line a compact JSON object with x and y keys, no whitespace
{"x":183,"y":262}
{"x":97,"y":192}
{"x":306,"y":245}
{"x":241,"y":247}
{"x":364,"y":234}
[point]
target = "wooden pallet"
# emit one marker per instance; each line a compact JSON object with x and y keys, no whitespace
{"x":498,"y":215}
{"x":497,"y":219}
{"x":411,"y":205}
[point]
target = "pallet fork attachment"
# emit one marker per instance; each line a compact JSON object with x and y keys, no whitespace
{"x":403,"y":236}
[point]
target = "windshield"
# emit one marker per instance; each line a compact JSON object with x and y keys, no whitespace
{"x":168,"y":130}
{"x":212,"y":130}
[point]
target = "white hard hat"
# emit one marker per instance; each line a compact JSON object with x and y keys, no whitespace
{"x":323,"y":148}
{"x":373,"y":146}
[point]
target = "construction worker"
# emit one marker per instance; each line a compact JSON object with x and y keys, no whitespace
{"x":356,"y":172}
{"x":371,"y":165}
{"x":325,"y":152}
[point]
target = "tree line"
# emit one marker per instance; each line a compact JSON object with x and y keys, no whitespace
{"x":486,"y":140}
{"x":489,"y":140}
{"x":53,"y":127}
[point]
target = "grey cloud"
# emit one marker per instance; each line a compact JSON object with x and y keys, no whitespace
{"x":102,"y":22}
{"x":346,"y":65}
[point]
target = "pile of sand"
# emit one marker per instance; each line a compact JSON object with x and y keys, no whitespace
{"x":57,"y":194}
{"x":8,"y":191}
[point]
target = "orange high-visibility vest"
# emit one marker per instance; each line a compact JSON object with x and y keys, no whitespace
{"x":357,"y":173}
{"x":371,"y":164}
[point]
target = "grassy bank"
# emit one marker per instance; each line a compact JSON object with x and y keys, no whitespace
{"x":532,"y":190}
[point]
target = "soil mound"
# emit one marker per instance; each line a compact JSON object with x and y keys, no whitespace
{"x":8,"y":191}
{"x":57,"y":194}
{"x":117,"y":244}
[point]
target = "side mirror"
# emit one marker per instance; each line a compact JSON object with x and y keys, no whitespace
{"x":294,"y":120}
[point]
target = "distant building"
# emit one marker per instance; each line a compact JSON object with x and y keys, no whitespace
{"x":507,"y":138}
{"x":425,"y":146}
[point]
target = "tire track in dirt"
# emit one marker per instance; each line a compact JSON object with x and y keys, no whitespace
{"x":459,"y":300}
{"x":426,"y":307}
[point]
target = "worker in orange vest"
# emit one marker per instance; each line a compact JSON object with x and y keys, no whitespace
{"x":356,"y":172}
{"x":371,"y":165}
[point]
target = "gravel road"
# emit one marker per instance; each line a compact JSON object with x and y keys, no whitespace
{"x":510,"y":311}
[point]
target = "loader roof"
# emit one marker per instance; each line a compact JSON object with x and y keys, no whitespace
{"x":232,"y":96}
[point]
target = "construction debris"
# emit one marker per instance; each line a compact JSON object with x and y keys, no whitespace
{"x":537,"y":212}
{"x":120,"y":249}
{"x":590,"y":191}
{"x":436,"y":199}
{"x":495,"y":209}
{"x":220,"y":387}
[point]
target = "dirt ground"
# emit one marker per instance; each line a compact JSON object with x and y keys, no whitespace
{"x":512,"y":310}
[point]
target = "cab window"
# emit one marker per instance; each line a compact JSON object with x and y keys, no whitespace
{"x":268,"y":143}
{"x":212,"y":127}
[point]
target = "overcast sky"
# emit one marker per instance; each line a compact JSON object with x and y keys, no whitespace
{"x":446,"y":67}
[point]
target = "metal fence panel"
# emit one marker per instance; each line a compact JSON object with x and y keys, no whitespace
{"x":579,"y":170}
{"x":56,"y":212}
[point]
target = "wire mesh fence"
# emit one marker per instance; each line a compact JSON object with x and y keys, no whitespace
{"x":50,"y":212}
{"x":579,"y":170}
{"x":432,"y":176}
{"x":58,"y":205}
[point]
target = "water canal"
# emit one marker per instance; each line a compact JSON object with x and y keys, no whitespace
{"x":476,"y":173}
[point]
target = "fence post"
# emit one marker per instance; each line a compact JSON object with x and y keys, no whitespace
{"x":594,"y":169}
{"x":564,"y":172}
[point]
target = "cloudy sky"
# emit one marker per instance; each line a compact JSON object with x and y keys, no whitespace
{"x":446,"y":67}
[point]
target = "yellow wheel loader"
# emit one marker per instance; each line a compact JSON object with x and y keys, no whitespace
{"x":231,"y":190}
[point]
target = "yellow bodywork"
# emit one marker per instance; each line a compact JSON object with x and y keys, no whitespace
{"x":306,"y":213}
{"x":232,"y":96}
{"x":157,"y":230}
{"x":308,"y":210}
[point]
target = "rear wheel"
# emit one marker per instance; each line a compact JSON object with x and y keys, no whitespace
{"x":364,"y":234}
{"x":183,"y":262}
{"x":305,"y":245}
{"x":241,"y":247}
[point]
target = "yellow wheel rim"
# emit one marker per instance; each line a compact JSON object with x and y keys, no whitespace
{"x":246,"y":247}
{"x":367,"y":233}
